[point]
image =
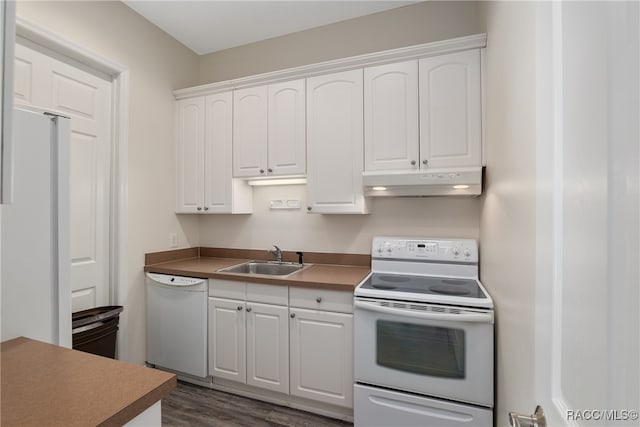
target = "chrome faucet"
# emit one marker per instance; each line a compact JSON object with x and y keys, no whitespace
{"x":276,"y":253}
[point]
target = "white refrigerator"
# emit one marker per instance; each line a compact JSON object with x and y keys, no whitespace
{"x":35,"y":255}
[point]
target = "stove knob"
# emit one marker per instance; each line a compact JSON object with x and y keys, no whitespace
{"x":387,"y":247}
{"x":456,"y":250}
{"x":379,"y":249}
{"x":467,"y":252}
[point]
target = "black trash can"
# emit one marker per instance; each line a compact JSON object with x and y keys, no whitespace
{"x":95,"y":330}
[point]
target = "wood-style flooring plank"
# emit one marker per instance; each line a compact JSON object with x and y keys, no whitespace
{"x":194,"y":406}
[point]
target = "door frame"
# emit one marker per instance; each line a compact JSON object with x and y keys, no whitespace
{"x":119,"y":148}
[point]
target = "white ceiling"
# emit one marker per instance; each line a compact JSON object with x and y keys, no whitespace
{"x":207,"y":26}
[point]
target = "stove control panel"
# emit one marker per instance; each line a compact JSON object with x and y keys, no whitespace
{"x":402,"y":248}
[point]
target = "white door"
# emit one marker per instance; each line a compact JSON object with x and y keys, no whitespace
{"x":450,"y":110}
{"x":250,"y":131}
{"x":189,"y":155}
{"x":335,"y":143}
{"x":391,"y":117}
{"x":268,"y":346}
{"x":227,"y":334}
{"x":322,"y":356}
{"x":43,"y":80}
{"x":217,"y":152}
{"x":287,"y":154}
{"x":587,"y":340}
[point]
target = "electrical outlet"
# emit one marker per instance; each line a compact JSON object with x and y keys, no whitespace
{"x":173,"y":240}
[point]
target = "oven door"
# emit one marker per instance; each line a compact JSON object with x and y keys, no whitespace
{"x":428,"y":349}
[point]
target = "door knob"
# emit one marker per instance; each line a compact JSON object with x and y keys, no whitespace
{"x":536,"y":420}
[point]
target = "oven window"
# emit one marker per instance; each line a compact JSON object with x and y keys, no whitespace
{"x":421,"y":349}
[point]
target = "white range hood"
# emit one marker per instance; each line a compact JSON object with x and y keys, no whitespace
{"x":434,"y":182}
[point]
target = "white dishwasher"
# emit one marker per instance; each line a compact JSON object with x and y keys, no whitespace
{"x":177,"y":323}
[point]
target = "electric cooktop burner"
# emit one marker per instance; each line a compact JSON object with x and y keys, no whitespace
{"x":424,"y":285}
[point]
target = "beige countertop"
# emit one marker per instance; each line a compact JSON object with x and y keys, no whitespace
{"x":47,"y":385}
{"x":326,"y":276}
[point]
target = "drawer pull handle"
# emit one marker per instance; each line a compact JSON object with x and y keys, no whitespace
{"x":239,"y":308}
{"x":292,"y":315}
{"x":248,"y":309}
{"x":319,"y":299}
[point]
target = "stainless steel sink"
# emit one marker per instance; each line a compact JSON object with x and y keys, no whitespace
{"x":265,"y":267}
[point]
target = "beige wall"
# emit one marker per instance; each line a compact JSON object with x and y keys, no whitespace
{"x":415,"y":24}
{"x":157,"y":64}
{"x":298,"y":230}
{"x":507,"y":226}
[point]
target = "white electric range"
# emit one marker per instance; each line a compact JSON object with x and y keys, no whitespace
{"x":424,"y":336}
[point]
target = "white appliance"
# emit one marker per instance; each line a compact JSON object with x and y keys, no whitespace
{"x":424,"y":336}
{"x":36,"y":278}
{"x":433,"y":182}
{"x":177,"y":323}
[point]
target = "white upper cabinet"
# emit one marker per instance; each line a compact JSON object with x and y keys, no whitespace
{"x":217,"y":152}
{"x":190,"y":146}
{"x":335,"y":143}
{"x":450,"y":110}
{"x":286,"y":153}
{"x":250,"y":131}
{"x":391,"y":117}
{"x":269,"y":130}
{"x":204,"y":153}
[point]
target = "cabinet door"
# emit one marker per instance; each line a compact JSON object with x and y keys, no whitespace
{"x":391,"y":116}
{"x":189,"y":147}
{"x":322,"y":356}
{"x":227,"y":334}
{"x":217,"y":152}
{"x":250,"y":131}
{"x":335,"y":143}
{"x":268,"y":347}
{"x":287,"y":116}
{"x":450,"y":110}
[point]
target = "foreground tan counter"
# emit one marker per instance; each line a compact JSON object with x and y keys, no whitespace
{"x":326,"y":276}
{"x":47,"y":385}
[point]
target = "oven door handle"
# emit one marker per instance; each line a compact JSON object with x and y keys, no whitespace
{"x":463,"y":316}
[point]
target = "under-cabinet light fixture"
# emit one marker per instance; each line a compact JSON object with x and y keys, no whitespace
{"x":276,"y":181}
{"x":461,"y":187}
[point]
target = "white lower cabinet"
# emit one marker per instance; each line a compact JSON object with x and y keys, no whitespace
{"x":322,"y":356}
{"x":249,"y":341}
{"x":227,"y":344}
{"x":268,"y":346}
{"x":297,"y":342}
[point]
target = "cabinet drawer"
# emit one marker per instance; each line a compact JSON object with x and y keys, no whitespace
{"x":321,"y":299}
{"x":227,"y":289}
{"x":268,"y":294}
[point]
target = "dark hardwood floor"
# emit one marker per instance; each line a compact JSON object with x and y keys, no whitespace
{"x":192,"y":405}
